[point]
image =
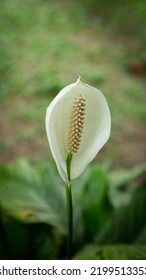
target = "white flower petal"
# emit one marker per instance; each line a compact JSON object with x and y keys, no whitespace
{"x":94,"y":134}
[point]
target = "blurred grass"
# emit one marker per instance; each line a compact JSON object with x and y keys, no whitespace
{"x":45,"y":45}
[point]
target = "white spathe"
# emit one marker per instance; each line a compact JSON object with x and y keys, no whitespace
{"x":96,"y":127}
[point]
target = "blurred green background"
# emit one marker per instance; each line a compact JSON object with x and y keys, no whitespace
{"x":44,"y":46}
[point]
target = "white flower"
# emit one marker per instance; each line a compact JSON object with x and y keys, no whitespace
{"x":78,"y":122}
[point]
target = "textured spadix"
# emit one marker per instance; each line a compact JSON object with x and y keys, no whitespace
{"x":78,"y":121}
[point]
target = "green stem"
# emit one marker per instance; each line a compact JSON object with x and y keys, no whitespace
{"x":69,"y":218}
{"x":68,"y":165}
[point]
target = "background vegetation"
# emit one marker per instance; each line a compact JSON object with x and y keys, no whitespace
{"x":45,"y":45}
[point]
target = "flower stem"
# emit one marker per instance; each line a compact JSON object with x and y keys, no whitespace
{"x":68,"y":165}
{"x":69,"y":218}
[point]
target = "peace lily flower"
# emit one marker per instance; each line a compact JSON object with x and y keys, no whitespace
{"x":78,"y":124}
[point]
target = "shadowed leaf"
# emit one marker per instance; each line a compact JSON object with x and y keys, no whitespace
{"x":32,"y":194}
{"x":113,"y":252}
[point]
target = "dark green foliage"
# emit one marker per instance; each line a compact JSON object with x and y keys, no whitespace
{"x":32,"y":195}
{"x":118,"y":252}
{"x":27,"y":241}
{"x":95,"y":202}
{"x":122,"y":184}
{"x":33,"y":213}
{"x":127,"y":222}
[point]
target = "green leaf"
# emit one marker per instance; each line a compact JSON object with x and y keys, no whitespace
{"x":32,"y":194}
{"x":141,"y":238}
{"x":122,"y":184}
{"x":42,"y":243}
{"x":127,"y":222}
{"x":17,"y":240}
{"x":27,"y":241}
{"x":113,"y":252}
{"x":92,"y":201}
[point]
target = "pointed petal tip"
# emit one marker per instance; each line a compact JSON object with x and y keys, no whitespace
{"x":79,"y":79}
